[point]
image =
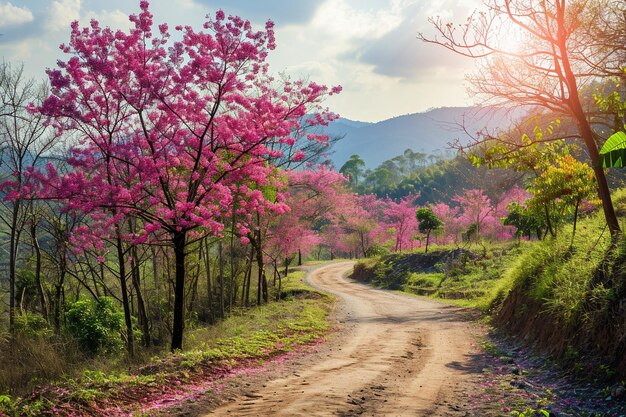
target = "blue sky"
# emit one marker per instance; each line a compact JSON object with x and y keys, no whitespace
{"x":367,"y":46}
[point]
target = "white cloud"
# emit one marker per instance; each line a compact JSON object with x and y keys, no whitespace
{"x":338,"y":19}
{"x":115,"y":19}
{"x":368,"y":46}
{"x":36,"y":54}
{"x":13,"y":15}
{"x":62,"y":13}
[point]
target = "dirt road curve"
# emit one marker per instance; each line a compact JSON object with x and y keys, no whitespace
{"x":395,"y":356}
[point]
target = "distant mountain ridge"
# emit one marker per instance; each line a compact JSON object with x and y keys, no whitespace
{"x":429,"y":132}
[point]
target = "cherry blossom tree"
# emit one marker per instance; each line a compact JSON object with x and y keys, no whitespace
{"x":401,"y":218}
{"x":177,"y":133}
{"x":452,"y":226}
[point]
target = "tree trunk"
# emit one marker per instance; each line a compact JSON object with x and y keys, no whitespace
{"x":299,"y":257}
{"x":246,"y":278}
{"x":584,"y":128}
{"x":259,"y":275}
{"x":178,"y":325}
{"x":13,"y":242}
{"x":249,"y":277}
{"x":57,"y":303}
{"x":427,"y":238}
{"x":262,"y":287}
{"x":209,"y":287}
{"x":141,"y":307}
{"x":157,"y":288}
{"x":42,"y":297}
{"x":194,"y":287}
{"x":280,"y":285}
{"x":575,"y":219}
{"x":130,"y":344}
{"x":548,"y":221}
{"x":363,"y":248}
{"x":231,"y":262}
{"x":266,"y":296}
{"x":220,"y":277}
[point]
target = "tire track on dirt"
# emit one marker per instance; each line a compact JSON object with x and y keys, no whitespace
{"x":396,"y":355}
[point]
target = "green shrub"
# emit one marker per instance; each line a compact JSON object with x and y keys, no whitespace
{"x":32,"y":324}
{"x":96,"y":324}
{"x":376,"y":250}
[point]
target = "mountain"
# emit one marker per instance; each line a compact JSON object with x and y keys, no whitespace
{"x":429,"y":132}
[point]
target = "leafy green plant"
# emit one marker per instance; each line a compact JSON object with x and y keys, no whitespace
{"x":96,"y":324}
{"x":33,"y":325}
{"x":529,"y":412}
{"x":428,"y":222}
{"x":6,"y":403}
{"x":613,"y":152}
{"x":376,"y":250}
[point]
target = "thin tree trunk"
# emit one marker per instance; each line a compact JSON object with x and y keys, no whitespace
{"x":178,"y":325}
{"x":245,"y":289}
{"x":231,"y":257}
{"x":259,"y":275}
{"x":57,"y":301}
{"x":249,"y":277}
{"x":262,"y":278}
{"x":13,"y":242}
{"x":194,"y":286}
{"x":130,"y":344}
{"x":275,"y":265}
{"x":575,"y":219}
{"x":104,"y":287}
{"x":141,"y":307}
{"x":207,"y":266}
{"x":548,"y":221}
{"x":220,"y":278}
{"x":363,"y":248}
{"x":157,"y":288}
{"x":280,"y":281}
{"x":37,"y":248}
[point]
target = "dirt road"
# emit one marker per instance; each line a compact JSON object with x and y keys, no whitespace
{"x":395,"y":356}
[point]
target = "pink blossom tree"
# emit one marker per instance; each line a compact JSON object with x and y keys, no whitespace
{"x":479,"y":213}
{"x":360,"y":217}
{"x":400,"y":217}
{"x":177,"y":133}
{"x":313,"y":196}
{"x":452,"y":226}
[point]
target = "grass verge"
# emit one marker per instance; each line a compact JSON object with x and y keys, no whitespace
{"x":475,"y":276}
{"x":563,"y":295}
{"x":247,"y":339}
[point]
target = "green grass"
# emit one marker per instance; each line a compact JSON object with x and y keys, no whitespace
{"x":247,"y":336}
{"x":253,"y":333}
{"x":569,"y":289}
{"x":556,"y":271}
{"x":473,"y":282}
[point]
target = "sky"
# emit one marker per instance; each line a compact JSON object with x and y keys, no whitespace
{"x":369,"y":47}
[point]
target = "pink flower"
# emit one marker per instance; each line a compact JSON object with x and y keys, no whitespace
{"x":298,"y":156}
